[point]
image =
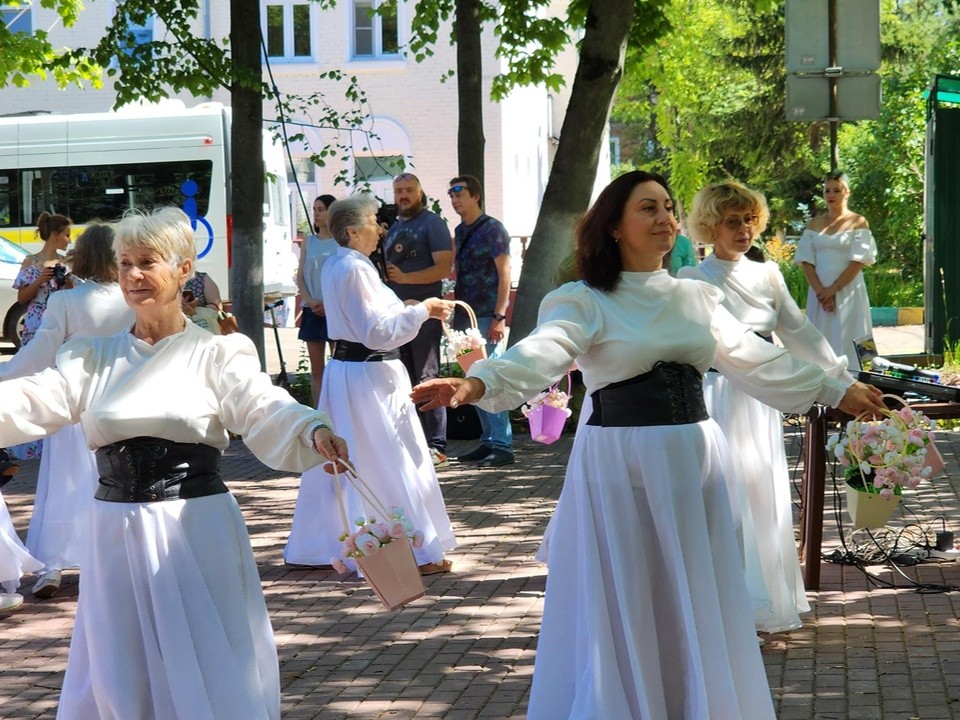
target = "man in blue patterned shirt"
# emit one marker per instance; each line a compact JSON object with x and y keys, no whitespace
{"x":483,"y":282}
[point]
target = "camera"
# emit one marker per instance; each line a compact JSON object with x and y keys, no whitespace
{"x":59,"y":275}
{"x":387,"y":215}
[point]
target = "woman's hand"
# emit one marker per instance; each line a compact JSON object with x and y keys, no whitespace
{"x":332,"y":447}
{"x":438,"y":309}
{"x":316,"y":306}
{"x":448,"y":392}
{"x":861,"y":398}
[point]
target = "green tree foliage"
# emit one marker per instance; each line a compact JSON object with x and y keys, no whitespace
{"x":26,"y":55}
{"x":709,"y":101}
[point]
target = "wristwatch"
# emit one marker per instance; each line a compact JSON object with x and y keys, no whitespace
{"x":498,"y":316}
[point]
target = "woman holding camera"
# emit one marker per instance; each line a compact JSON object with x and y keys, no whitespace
{"x":43,"y":273}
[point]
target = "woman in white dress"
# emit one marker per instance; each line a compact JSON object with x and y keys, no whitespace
{"x":313,"y":322}
{"x":171,"y":621}
{"x":68,"y":470}
{"x":644,"y":611}
{"x":729,"y":216}
{"x":15,"y":561}
{"x":832,"y":251}
{"x":366,"y":392}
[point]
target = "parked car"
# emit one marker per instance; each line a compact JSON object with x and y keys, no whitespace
{"x":11,"y":312}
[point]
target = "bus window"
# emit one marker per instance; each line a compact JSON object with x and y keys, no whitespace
{"x":105,"y":192}
{"x":9,"y":215}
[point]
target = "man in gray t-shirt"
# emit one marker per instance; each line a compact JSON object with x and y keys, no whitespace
{"x":419,"y":254}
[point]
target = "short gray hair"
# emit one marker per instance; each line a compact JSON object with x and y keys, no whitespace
{"x":348,"y":213}
{"x":166,"y":230}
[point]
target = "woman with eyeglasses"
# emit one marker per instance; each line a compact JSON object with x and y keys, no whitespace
{"x":730,"y":216}
{"x":833,"y":251}
{"x":644,"y":610}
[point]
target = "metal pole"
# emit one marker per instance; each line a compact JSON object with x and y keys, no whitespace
{"x":832,"y":48}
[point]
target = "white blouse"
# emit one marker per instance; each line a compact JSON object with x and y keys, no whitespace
{"x":88,"y":310}
{"x":360,"y":308}
{"x":649,"y":317}
{"x":756,"y":294}
{"x":190,"y":387}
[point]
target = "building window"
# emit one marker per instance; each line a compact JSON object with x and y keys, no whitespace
{"x":376,"y":168}
{"x":614,"y":150}
{"x":375,"y":34}
{"x":18,"y":19}
{"x":302,"y":169}
{"x":288,"y":29}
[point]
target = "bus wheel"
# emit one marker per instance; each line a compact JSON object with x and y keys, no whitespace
{"x":14,"y":324}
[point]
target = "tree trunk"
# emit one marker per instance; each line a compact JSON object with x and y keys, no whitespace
{"x":470,"y":140}
{"x":574,"y":170}
{"x":247,"y":172}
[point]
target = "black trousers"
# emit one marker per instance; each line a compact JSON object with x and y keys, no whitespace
{"x":421,"y":357}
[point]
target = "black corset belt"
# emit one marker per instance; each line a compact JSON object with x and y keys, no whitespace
{"x":669,"y":394}
{"x":349,"y":351}
{"x":149,"y":469}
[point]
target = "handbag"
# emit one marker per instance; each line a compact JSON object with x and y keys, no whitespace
{"x":547,"y":421}
{"x":228,"y":323}
{"x":391,"y":571}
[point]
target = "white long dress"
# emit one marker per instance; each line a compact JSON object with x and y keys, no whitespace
{"x":646,"y":614}
{"x":171,"y":621}
{"x":830,"y":254}
{"x":370,"y":405}
{"x":15,"y":559}
{"x":68,"y":474}
{"x":756,"y":294}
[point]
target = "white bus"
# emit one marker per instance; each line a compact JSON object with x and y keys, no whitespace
{"x":96,"y":166}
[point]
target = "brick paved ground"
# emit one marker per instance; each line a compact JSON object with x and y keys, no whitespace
{"x":466,"y":650}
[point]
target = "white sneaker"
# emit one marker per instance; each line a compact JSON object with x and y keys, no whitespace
{"x":47,"y":584}
{"x":9,"y":602}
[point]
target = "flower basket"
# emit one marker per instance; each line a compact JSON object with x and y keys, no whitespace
{"x":469,"y":345}
{"x":548,"y":413}
{"x":870,"y":510}
{"x":881,"y":458}
{"x":381,"y":550}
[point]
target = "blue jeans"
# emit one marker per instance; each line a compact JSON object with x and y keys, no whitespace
{"x":497,"y":432}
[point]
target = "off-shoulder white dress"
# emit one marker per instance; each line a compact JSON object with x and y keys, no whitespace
{"x":756,"y":294}
{"x":830,"y":254}
{"x":171,"y":620}
{"x":647,"y":615}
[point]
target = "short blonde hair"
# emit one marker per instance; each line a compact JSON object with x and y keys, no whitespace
{"x":166,"y":230}
{"x":713,"y":201}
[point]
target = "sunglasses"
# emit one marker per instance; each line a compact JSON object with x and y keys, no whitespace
{"x":454,"y":189}
{"x":734,"y":222}
{"x":406,"y":176}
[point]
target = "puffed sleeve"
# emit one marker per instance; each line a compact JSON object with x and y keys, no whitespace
{"x":41,"y":351}
{"x":33,"y":407}
{"x":276,"y":428}
{"x":767,"y":372}
{"x":799,"y":335}
{"x":375,"y":314}
{"x":806,"y":253}
{"x":863,"y":248}
{"x":569,"y":320}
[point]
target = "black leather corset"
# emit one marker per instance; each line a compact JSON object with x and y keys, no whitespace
{"x":149,"y":469}
{"x":669,"y":394}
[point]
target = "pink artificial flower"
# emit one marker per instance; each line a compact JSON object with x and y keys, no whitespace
{"x":368,"y":544}
{"x":338,"y":565}
{"x":397,"y":531}
{"x":886,"y":493}
{"x":417,"y":539}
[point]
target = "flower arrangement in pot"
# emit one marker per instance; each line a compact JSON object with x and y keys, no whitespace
{"x":548,"y":412}
{"x":881,"y":457}
{"x":468,"y":346}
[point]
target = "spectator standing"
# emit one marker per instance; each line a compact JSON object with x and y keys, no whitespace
{"x":483,"y":282}
{"x":419,"y":252}
{"x":682,"y":255}
{"x":833,"y":251}
{"x":313,"y":322}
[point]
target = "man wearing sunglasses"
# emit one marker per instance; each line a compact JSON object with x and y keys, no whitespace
{"x":483,"y":282}
{"x":418,"y":252}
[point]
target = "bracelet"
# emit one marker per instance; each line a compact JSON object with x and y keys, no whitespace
{"x":318,"y":426}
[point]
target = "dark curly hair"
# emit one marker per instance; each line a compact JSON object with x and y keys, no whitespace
{"x":598,"y":257}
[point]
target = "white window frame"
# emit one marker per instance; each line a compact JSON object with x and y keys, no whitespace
{"x":288,"y":55}
{"x":377,"y":21}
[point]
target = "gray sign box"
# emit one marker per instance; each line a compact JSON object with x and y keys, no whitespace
{"x":808,"y":98}
{"x":808,"y":33}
